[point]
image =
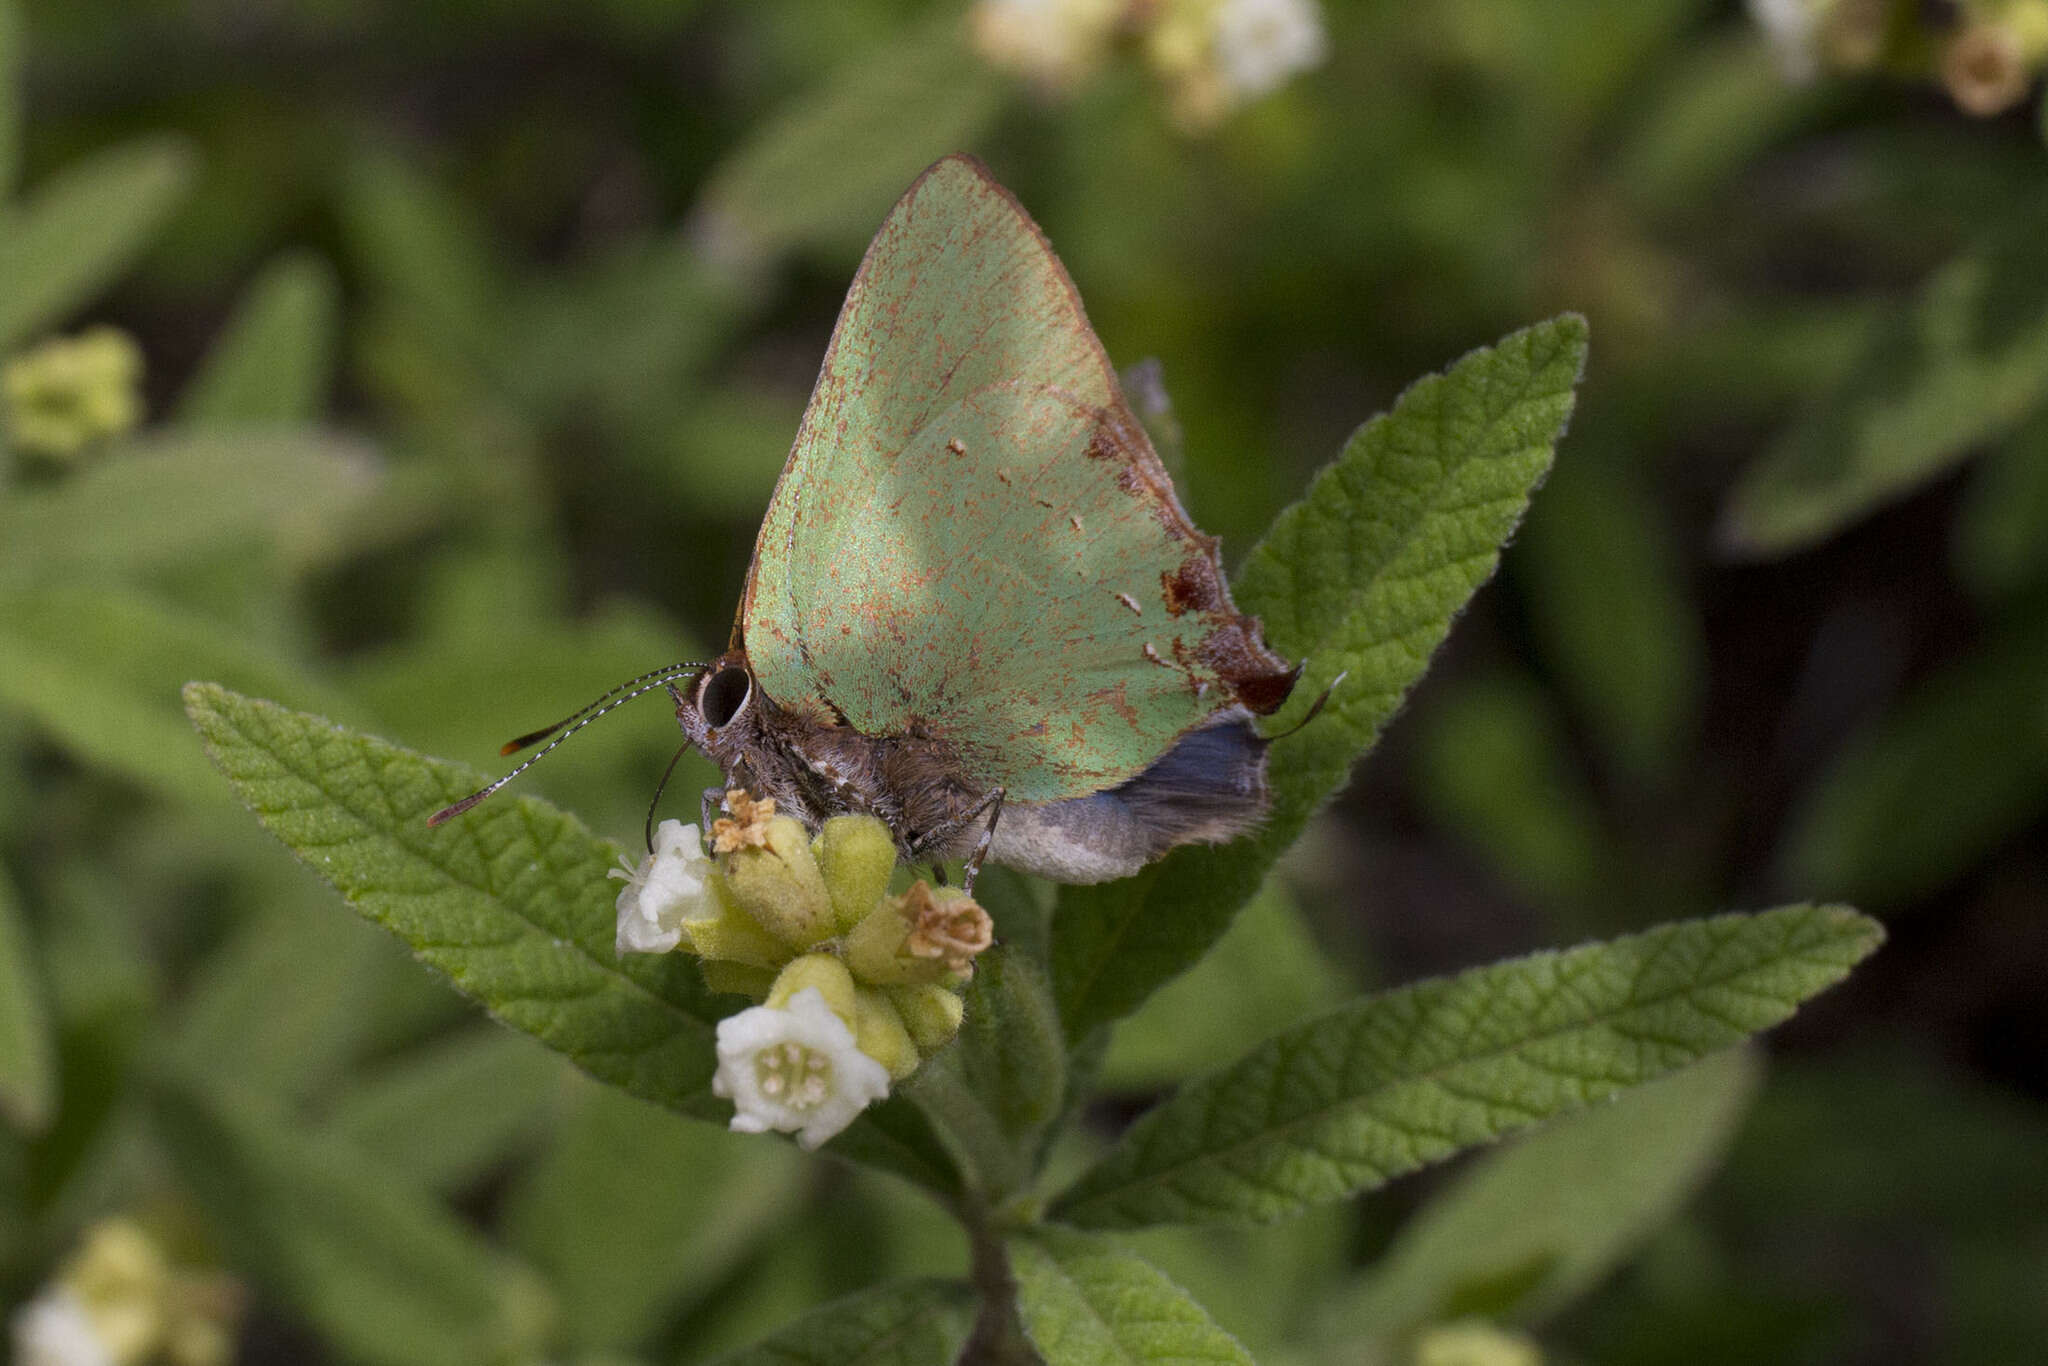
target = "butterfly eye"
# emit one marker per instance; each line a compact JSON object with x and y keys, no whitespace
{"x":724,"y":696}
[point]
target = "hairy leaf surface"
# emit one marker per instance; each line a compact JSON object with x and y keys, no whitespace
{"x":1088,"y":1302}
{"x":1393,"y":1082}
{"x":906,"y":1323}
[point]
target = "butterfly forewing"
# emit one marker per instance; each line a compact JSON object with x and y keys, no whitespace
{"x":973,"y":540}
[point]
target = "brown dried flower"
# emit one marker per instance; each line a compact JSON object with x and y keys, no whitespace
{"x":1984,"y":71}
{"x":748,"y":825}
{"x":953,"y":930}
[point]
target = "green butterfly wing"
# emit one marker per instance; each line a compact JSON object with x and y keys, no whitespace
{"x":973,"y":539}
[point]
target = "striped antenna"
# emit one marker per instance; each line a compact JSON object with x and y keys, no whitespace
{"x":568,"y":726}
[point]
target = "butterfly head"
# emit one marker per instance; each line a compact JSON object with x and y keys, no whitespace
{"x":722,"y":711}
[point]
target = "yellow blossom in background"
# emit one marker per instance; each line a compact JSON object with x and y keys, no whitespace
{"x":69,"y":392}
{"x":1212,"y":55}
{"x":1984,"y":70}
{"x":1987,"y":54}
{"x":1217,"y":55}
{"x":120,"y":1301}
{"x":1054,"y":43}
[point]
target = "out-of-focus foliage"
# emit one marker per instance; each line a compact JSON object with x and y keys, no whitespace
{"x":471,"y":340}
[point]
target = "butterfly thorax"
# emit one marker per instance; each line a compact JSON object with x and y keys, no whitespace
{"x":816,"y":766}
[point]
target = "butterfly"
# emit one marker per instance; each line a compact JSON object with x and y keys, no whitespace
{"x":976,"y":609}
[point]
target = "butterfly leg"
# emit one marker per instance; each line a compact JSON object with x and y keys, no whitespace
{"x":708,"y":808}
{"x":990,"y":805}
{"x":994,"y":802}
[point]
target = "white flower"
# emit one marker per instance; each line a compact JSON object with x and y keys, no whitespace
{"x":1260,"y":43}
{"x":1792,"y":28}
{"x":53,"y":1329}
{"x":795,"y":1069}
{"x":667,"y":888}
{"x":1054,"y":42}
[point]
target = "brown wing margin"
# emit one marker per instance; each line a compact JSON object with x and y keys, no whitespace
{"x":1232,"y":645}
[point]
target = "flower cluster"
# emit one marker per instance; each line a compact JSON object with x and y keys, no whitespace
{"x":1986,"y":53}
{"x":856,"y":986}
{"x":1213,"y":55}
{"x":120,"y":1301}
{"x":72,"y":391}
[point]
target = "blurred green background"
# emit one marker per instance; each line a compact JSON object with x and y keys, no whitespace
{"x":471,"y":338}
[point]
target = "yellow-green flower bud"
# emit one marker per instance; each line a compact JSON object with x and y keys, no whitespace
{"x":930,"y":1012}
{"x":738,"y":979}
{"x":879,"y":1032}
{"x":777,"y":882}
{"x":876,"y":953}
{"x":829,"y":976}
{"x":71,"y":391}
{"x":730,"y":933}
{"x":856,"y":854}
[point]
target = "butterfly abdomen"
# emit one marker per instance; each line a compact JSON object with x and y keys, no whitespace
{"x":1207,"y":788}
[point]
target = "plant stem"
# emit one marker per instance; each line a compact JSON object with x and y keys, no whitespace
{"x":998,"y":1337}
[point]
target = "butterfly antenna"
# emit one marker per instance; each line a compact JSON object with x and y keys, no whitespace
{"x":1314,"y":711}
{"x":661,"y":675}
{"x":662,"y":787}
{"x":568,"y":726}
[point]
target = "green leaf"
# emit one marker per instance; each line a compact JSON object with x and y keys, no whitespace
{"x":274,"y":360}
{"x":11,"y":64}
{"x":172,"y":497}
{"x":1965,"y":362}
{"x":443,"y":1114}
{"x":512,"y":901}
{"x":1960,"y":764}
{"x":1364,"y":575}
{"x":1011,"y":1053}
{"x":1263,"y":975}
{"x":1261,"y":1284}
{"x":1604,"y":591}
{"x":633,"y":1210}
{"x":896,"y":1136}
{"x":99,"y":668}
{"x":27,"y":1058}
{"x":626,"y":345}
{"x":278,"y":1011}
{"x":431,"y":262}
{"x":825,"y":168}
{"x":1718,"y":105}
{"x":1537,"y":1224}
{"x":906,"y":1323}
{"x":81,"y":229}
{"x":1392,"y":1082}
{"x":1495,"y":770}
{"x":1087,"y":1302}
{"x":384,"y":1273}
{"x":2001,"y":544}
{"x":993,"y":1090}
